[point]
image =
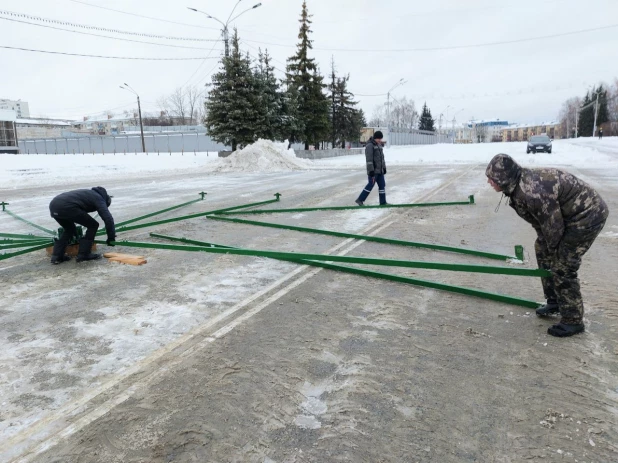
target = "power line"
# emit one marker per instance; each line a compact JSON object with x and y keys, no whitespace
{"x":142,"y":16}
{"x":101,"y":56}
{"x":199,"y":67}
{"x":106,"y":36}
{"x":454,"y":47}
{"x":103,"y":29}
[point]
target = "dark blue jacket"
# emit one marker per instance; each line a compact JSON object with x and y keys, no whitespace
{"x":68,"y":205}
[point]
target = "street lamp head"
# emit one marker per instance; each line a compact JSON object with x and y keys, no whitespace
{"x":256,"y":6}
{"x":192,"y":9}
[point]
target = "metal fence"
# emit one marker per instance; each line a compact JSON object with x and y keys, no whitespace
{"x":417,"y":137}
{"x":173,"y":143}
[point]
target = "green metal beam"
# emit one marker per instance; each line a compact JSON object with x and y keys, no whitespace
{"x":162,"y":211}
{"x":15,"y":236}
{"x":375,"y":239}
{"x":385,"y":276}
{"x":345,"y":208}
{"x":24,"y":244}
{"x":345,"y":259}
{"x":191,"y":216}
{"x":46,"y":230}
{"x":23,"y":251}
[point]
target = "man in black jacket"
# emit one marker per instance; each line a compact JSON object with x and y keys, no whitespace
{"x":376,"y":169}
{"x":73,"y":207}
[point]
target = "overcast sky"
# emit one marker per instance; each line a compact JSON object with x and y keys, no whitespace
{"x":520,"y":82}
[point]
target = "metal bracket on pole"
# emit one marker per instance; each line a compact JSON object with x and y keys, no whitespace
{"x":519,"y":252}
{"x":202,"y":194}
{"x":277,"y":195}
{"x":471,"y":198}
{"x":3,"y":204}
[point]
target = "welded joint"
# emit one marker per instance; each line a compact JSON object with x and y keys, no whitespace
{"x":519,"y":252}
{"x":202,"y":194}
{"x":277,"y":195}
{"x":3,"y":204}
{"x":471,"y":198}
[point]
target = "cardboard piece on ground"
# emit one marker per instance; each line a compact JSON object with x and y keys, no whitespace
{"x":125,"y":258}
{"x":70,"y":250}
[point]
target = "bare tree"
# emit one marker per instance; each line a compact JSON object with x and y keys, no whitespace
{"x":568,"y":116}
{"x":403,"y":114}
{"x":179,"y":107}
{"x":195,"y":104}
{"x":612,"y":103}
{"x":378,"y":116}
{"x":165,"y":112}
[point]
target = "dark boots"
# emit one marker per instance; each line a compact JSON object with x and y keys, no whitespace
{"x":55,"y":260}
{"x":548,"y":309}
{"x":84,"y":253}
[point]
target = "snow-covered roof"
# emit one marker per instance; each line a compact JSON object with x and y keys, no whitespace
{"x":7,"y":115}
{"x":30,"y":121}
{"x":526,"y":126}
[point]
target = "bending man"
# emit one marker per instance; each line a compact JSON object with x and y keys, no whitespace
{"x":567,"y":214}
{"x":73,"y":207}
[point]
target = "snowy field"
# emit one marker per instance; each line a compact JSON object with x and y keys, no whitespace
{"x":227,"y":358}
{"x":47,"y":170}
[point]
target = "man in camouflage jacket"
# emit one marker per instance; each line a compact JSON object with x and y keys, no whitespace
{"x":567,"y":214}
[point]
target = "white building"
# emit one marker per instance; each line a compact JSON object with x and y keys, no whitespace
{"x":8,"y":132}
{"x":486,"y":130}
{"x":21,"y":108}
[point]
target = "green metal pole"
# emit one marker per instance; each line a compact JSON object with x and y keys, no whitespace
{"x":345,"y":259}
{"x":162,"y":211}
{"x":24,"y":244}
{"x":23,"y":251}
{"x":191,"y":216}
{"x":385,"y":276}
{"x":22,"y":237}
{"x":376,"y":239}
{"x":46,"y":230}
{"x":345,"y":208}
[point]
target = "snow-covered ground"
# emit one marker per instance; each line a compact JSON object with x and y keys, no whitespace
{"x":47,"y":170}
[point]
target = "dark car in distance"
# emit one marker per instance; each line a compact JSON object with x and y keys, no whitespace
{"x":539,"y":143}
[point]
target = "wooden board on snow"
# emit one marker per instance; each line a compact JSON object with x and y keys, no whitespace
{"x":125,"y":258}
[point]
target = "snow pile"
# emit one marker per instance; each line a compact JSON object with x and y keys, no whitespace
{"x":263,"y":156}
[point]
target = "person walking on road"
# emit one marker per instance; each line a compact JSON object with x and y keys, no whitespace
{"x":600,"y":133}
{"x":376,"y":169}
{"x":568,"y":215}
{"x":73,"y":207}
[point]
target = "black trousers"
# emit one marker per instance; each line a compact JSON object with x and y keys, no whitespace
{"x":67,"y":220}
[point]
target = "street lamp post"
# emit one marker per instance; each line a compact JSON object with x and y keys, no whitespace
{"x":225,"y":31}
{"x":388,"y":101}
{"x":139,"y":110}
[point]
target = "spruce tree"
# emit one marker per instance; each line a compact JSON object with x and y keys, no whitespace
{"x":292,"y":124}
{"x":232,"y":105}
{"x":270,"y":101}
{"x":344,"y":117}
{"x":426,"y":121}
{"x":586,"y":117}
{"x":302,"y":73}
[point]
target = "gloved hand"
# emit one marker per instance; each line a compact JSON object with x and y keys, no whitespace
{"x":110,"y":240}
{"x":372,"y":173}
{"x":385,"y":171}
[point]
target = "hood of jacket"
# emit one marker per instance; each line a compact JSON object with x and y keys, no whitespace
{"x":103,"y":192}
{"x":505,"y":172}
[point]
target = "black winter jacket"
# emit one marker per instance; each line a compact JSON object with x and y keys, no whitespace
{"x":68,"y":205}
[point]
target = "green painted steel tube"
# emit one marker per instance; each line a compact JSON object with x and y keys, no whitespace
{"x":191,"y":216}
{"x":375,"y":239}
{"x":385,"y":276}
{"x":24,"y":244}
{"x":46,"y":230}
{"x":23,"y":251}
{"x":15,"y":236}
{"x":162,"y":211}
{"x":346,"y":259}
{"x":343,"y":208}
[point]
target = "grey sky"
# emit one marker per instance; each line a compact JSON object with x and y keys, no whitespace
{"x":520,"y":82}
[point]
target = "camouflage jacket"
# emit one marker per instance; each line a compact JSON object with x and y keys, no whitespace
{"x":551,"y":200}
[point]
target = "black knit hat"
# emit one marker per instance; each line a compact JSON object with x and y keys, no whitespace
{"x":378,"y":135}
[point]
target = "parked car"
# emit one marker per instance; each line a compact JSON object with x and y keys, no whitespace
{"x":539,"y":143}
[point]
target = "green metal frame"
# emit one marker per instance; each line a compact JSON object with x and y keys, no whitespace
{"x":16,"y":236}
{"x":346,"y":259}
{"x":375,"y":239}
{"x":46,"y":230}
{"x":23,"y":251}
{"x":345,"y":208}
{"x":193,"y":216}
{"x":385,"y":276}
{"x":24,"y":244}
